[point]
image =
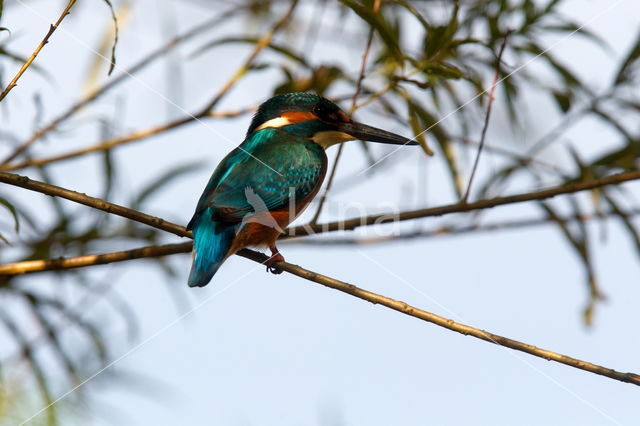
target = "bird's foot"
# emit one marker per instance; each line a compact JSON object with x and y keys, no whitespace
{"x":275,"y":258}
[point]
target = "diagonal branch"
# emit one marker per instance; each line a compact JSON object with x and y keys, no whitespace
{"x":331,"y":282}
{"x":354,"y":99}
{"x":45,"y":40}
{"x":449,"y":324}
{"x":111,"y":83}
{"x":204,"y":112}
{"x":33,"y":266}
{"x":487,"y":117}
{"x":357,"y":222}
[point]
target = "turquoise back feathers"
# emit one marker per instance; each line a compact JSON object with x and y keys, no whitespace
{"x":262,"y":185}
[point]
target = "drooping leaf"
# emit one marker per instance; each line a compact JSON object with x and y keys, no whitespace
{"x":579,"y":240}
{"x":13,"y":211}
{"x":563,"y":99}
{"x":625,"y":73}
{"x":252,"y":40}
{"x":378,"y":23}
{"x":409,"y":7}
{"x":418,"y":131}
{"x":114,"y":18}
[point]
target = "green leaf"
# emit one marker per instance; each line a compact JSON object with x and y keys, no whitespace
{"x":252,"y":40}
{"x":624,"y":74}
{"x":1,"y":4}
{"x":414,"y":122}
{"x":571,"y":27}
{"x":563,"y":99}
{"x":14,"y":212}
{"x":409,"y":7}
{"x":377,"y":22}
{"x":443,"y":139}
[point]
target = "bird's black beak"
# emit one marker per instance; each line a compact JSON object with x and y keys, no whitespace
{"x":373,"y":134}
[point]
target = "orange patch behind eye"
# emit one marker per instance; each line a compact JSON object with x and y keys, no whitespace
{"x":298,"y":116}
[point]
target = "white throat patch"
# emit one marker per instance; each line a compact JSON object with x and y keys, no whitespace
{"x":331,"y":137}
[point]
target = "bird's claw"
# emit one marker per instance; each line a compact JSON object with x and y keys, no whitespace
{"x":271,"y":263}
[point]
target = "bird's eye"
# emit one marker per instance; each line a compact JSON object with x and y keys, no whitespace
{"x":326,"y":114}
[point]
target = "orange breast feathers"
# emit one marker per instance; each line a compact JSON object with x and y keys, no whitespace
{"x":264,"y":228}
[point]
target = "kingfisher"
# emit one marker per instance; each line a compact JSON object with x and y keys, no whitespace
{"x":270,"y":178}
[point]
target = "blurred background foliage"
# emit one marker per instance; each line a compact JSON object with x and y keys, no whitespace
{"x":430,"y":65}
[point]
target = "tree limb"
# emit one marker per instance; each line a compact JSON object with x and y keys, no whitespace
{"x":357,"y":222}
{"x":62,"y":263}
{"x":109,"y":84}
{"x":45,"y":40}
{"x":204,"y":112}
{"x":351,"y":289}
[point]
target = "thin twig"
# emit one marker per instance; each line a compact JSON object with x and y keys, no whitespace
{"x":356,"y":222}
{"x":96,"y":203}
{"x":204,"y":112}
{"x":111,"y":83}
{"x":335,"y":284}
{"x":486,"y":118}
{"x":354,"y":99}
{"x":102,"y":146}
{"x":45,"y":40}
{"x":450,"y":231}
{"x":132,"y":137}
{"x":260,"y":45}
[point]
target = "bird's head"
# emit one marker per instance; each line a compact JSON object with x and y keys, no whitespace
{"x":313,"y":117}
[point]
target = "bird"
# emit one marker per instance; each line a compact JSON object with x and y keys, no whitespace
{"x":270,"y":178}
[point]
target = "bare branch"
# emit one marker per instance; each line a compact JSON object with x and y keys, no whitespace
{"x":45,"y":40}
{"x":354,"y":99}
{"x":350,"y":224}
{"x":262,"y":43}
{"x":31,"y":266}
{"x":447,"y":230}
{"x":102,"y":146}
{"x":486,"y":118}
{"x":449,"y":324}
{"x":96,"y":203}
{"x":205,"y":112}
{"x":340,"y":285}
{"x":111,"y":83}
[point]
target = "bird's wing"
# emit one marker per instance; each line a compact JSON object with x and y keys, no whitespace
{"x":278,"y":171}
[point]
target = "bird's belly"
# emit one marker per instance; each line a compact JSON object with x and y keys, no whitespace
{"x":264,"y":228}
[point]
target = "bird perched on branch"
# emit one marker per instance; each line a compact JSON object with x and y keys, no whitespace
{"x":267,"y":181}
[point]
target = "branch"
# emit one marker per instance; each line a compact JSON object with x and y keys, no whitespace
{"x":262,"y":43}
{"x":327,"y":281}
{"x":204,"y":112}
{"x":354,"y":99}
{"x":446,"y":230}
{"x":102,"y":146}
{"x":350,"y":224}
{"x":96,"y":203}
{"x":152,"y":56}
{"x":62,"y":263}
{"x":31,"y":266}
{"x":485,"y":127}
{"x":449,"y":324}
{"x":45,"y":40}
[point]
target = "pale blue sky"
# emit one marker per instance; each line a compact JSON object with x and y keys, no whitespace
{"x":277,"y":350}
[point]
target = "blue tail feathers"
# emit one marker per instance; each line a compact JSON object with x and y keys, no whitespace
{"x":212,"y":241}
